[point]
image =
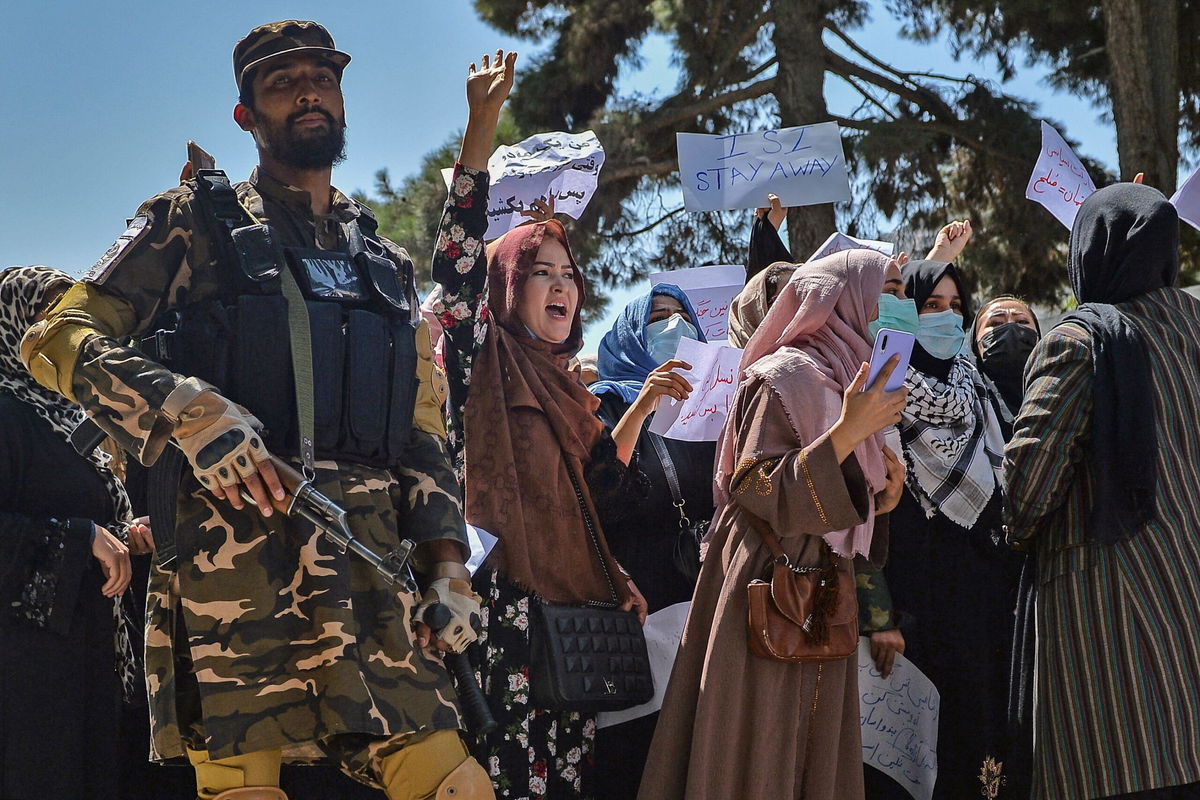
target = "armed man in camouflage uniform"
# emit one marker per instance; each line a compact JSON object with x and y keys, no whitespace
{"x":265,"y":642}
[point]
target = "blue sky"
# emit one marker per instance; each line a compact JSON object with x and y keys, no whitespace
{"x":101,"y":98}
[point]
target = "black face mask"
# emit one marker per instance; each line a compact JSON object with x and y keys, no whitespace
{"x":1003,"y":352}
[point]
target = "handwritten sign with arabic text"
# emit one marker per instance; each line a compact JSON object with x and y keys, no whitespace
{"x":711,"y":290}
{"x":1187,"y":200}
{"x":565,"y":165}
{"x":838,"y":241}
{"x":713,"y":377}
{"x":899,"y":717}
{"x":1059,"y":181}
{"x":803,"y":165}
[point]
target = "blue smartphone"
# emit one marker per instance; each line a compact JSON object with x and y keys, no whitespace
{"x":889,"y":343}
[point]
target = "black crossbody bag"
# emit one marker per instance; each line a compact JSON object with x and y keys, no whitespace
{"x":588,"y":658}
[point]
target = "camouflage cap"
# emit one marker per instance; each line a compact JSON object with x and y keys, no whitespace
{"x":276,"y":39}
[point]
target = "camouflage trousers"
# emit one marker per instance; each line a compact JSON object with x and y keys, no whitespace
{"x":267,"y":637}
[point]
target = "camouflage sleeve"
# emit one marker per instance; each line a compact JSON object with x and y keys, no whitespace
{"x":874,"y":598}
{"x":426,"y":496}
{"x":78,"y":349}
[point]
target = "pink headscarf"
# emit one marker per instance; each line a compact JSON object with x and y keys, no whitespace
{"x":809,"y":347}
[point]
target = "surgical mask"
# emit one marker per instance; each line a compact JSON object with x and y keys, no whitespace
{"x":662,"y":337}
{"x":941,"y":333}
{"x":1003,"y":350}
{"x":537,"y":338}
{"x":895,"y":314}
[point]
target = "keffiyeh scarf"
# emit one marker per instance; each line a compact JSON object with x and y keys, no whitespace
{"x":952,"y":443}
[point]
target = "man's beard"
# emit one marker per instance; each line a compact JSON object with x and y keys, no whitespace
{"x":316,"y":150}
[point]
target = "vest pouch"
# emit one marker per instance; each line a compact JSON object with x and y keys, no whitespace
{"x":328,"y":275}
{"x":262,"y":369}
{"x":404,"y":387}
{"x":200,"y":344}
{"x":387,"y":282}
{"x":368,"y":358}
{"x":257,"y":253}
{"x":328,"y":359}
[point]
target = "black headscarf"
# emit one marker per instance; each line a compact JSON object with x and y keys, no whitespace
{"x":1125,"y":243}
{"x":920,"y":278}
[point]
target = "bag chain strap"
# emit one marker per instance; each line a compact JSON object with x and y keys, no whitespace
{"x":664,"y":457}
{"x":587,"y":523}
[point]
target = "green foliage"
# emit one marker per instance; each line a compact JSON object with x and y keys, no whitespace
{"x":409,"y":214}
{"x":923,"y":149}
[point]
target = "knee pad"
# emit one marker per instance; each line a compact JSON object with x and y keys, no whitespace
{"x":257,"y":772}
{"x":253,"y":793}
{"x":468,"y":781}
{"x":436,"y":767}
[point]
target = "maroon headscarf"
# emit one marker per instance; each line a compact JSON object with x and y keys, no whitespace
{"x":527,"y":417}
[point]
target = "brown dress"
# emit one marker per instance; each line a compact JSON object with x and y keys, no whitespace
{"x":734,"y":725}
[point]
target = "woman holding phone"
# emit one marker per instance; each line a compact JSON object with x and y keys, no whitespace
{"x":801,"y":452}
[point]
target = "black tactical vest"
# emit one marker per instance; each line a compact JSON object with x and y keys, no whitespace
{"x":360,"y":312}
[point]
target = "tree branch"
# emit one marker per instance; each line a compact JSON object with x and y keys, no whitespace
{"x":647,"y":229}
{"x":925,"y":99}
{"x":670,"y":117}
{"x":869,"y":97}
{"x":931,"y":126}
{"x":748,"y":34}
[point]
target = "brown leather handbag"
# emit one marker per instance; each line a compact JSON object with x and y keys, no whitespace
{"x":800,"y":614}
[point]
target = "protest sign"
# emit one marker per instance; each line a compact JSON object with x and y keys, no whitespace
{"x":663,"y":629}
{"x":481,"y":543}
{"x":711,"y":290}
{"x":899,"y":718}
{"x":1059,"y":182}
{"x":1187,"y":200}
{"x":565,"y":165}
{"x":713,"y":377}
{"x":837,"y":242}
{"x":803,"y":165}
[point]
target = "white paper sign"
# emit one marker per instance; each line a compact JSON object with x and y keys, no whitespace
{"x":664,"y":630}
{"x":481,"y":543}
{"x":566,"y":165}
{"x":713,"y":377}
{"x":803,"y":165}
{"x":837,"y":242}
{"x":1187,"y":200}
{"x":711,"y":290}
{"x":1059,"y":182}
{"x":899,"y":717}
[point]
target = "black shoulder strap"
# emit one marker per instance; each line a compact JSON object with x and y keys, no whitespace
{"x":220,"y":213}
{"x":368,"y":220}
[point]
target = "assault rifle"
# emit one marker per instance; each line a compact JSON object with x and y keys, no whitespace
{"x":304,"y":501}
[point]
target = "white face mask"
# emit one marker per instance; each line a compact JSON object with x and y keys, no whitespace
{"x":662,"y":337}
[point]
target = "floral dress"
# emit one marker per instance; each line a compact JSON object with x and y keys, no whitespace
{"x":533,"y":752}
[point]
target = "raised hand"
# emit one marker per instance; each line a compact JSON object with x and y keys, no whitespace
{"x":542,"y":211}
{"x":488,"y":86}
{"x":776,"y":214}
{"x":951,"y":240}
{"x":866,"y":411}
{"x":487,"y":89}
